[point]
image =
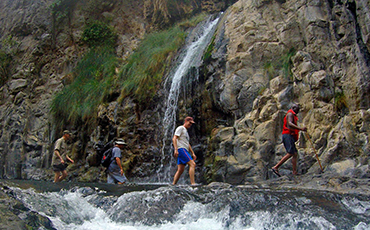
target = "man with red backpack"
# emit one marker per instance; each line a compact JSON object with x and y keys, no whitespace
{"x":290,"y":136}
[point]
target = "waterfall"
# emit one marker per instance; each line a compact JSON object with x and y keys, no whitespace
{"x":192,"y":58}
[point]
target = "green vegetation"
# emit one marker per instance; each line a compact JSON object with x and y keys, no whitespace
{"x":192,"y":21}
{"x":143,"y":72}
{"x":261,"y":90}
{"x":94,"y":77}
{"x":98,"y":33}
{"x":93,"y":81}
{"x":286,"y":61}
{"x":269,"y":69}
{"x":207,"y":55}
{"x":5,"y":61}
{"x":340,"y":102}
{"x":284,"y":64}
{"x":10,"y":45}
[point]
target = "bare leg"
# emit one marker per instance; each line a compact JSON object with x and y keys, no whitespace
{"x":192,"y":171}
{"x":64,"y":175}
{"x":56,"y":177}
{"x":180,"y":170}
{"x":282,"y":161}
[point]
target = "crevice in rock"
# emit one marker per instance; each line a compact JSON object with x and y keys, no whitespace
{"x":364,"y":86}
{"x":351,"y":6}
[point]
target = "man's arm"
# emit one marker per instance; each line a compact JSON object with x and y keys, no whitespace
{"x":291,"y":124}
{"x":68,"y":158}
{"x":56,"y":152}
{"x":174,"y":142}
{"x":118,"y":161}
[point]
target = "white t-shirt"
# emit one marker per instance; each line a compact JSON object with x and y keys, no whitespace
{"x":183,"y":140}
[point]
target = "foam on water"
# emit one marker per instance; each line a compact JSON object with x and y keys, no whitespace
{"x":83,"y":209}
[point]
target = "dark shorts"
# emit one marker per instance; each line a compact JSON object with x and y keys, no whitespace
{"x":289,"y":143}
{"x":59,"y":167}
{"x":184,"y":157}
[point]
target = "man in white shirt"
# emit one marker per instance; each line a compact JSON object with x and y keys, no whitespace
{"x":182,"y":148}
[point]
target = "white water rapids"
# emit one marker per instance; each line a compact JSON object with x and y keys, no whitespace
{"x":204,"y":207}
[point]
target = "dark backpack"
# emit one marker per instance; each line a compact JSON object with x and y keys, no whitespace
{"x":107,"y":158}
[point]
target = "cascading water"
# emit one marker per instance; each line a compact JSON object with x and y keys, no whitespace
{"x":192,"y":58}
{"x":215,"y":207}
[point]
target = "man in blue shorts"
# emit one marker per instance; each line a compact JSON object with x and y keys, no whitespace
{"x":182,"y":148}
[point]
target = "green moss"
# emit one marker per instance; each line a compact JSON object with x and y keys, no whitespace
{"x":269,"y":70}
{"x":283,"y":65}
{"x":286,"y":61}
{"x":261,"y":90}
{"x":340,"y":102}
{"x":207,"y":55}
{"x":5,"y":62}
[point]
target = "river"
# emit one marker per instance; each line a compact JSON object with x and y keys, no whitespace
{"x":215,"y":206}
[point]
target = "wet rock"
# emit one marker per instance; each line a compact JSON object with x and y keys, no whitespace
{"x":14,"y":215}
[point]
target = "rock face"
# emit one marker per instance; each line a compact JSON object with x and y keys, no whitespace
{"x":264,"y":56}
{"x":14,"y":214}
{"x":42,"y":55}
{"x":314,"y":53}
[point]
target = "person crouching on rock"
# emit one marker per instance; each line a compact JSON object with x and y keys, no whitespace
{"x":290,"y":136}
{"x":60,"y":157}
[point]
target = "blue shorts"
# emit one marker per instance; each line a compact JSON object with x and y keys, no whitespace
{"x":289,"y":144}
{"x":184,"y":156}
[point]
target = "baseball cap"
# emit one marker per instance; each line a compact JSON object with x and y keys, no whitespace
{"x":189,"y":119}
{"x":66,"y":132}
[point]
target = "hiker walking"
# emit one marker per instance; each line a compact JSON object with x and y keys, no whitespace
{"x":182,"y":148}
{"x":60,"y":157}
{"x":290,"y":136}
{"x":115,"y":171}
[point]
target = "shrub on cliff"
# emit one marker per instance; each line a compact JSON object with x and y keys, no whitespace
{"x":98,"y":33}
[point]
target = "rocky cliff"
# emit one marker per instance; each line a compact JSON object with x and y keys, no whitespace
{"x":315,"y":53}
{"x":264,"y":56}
